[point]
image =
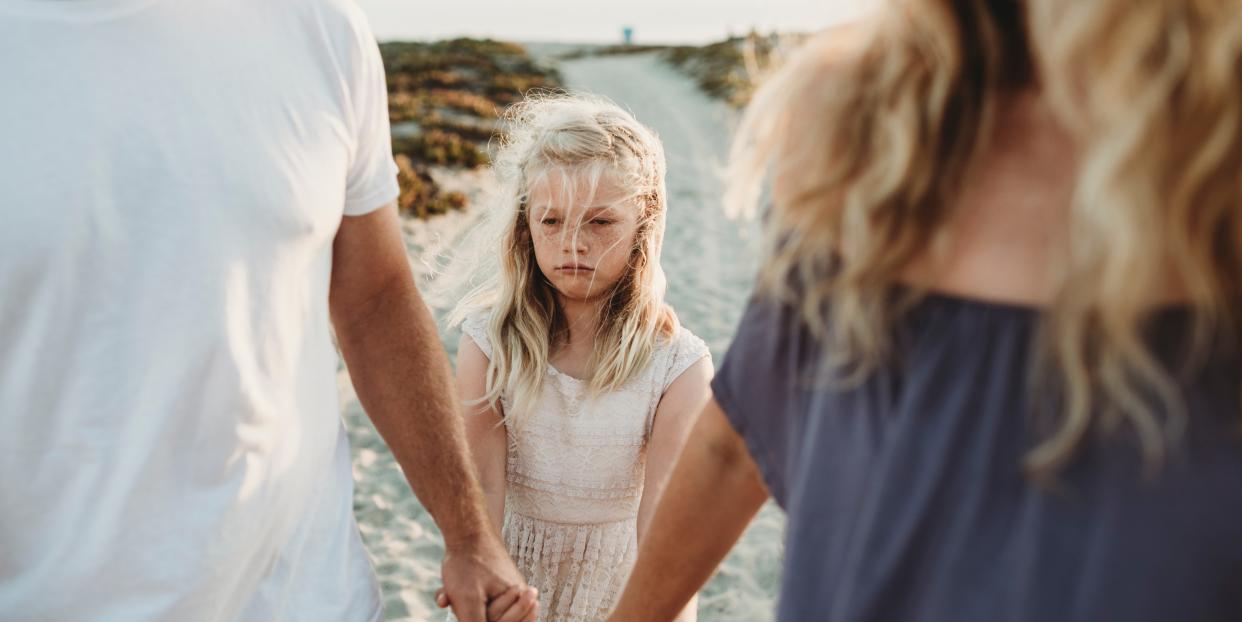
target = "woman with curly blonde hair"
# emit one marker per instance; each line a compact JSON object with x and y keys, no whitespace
{"x":992,"y":369}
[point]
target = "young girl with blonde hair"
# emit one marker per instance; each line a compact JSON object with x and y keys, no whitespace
{"x":579,"y":380}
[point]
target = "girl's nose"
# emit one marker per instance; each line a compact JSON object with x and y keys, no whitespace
{"x":575,"y":243}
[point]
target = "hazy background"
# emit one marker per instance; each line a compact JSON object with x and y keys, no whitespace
{"x":582,"y":21}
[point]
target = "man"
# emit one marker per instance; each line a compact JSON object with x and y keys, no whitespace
{"x":194,"y":192}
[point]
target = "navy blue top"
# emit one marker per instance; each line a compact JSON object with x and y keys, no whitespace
{"x":906,"y":498}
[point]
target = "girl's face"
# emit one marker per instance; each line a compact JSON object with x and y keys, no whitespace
{"x":583,"y":240}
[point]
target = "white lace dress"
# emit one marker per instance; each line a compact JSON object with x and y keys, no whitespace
{"x":575,"y":480}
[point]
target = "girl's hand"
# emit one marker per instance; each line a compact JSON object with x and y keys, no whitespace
{"x":476,"y":572}
{"x":517,"y":604}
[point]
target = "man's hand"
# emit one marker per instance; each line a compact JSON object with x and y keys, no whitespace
{"x":481,"y":583}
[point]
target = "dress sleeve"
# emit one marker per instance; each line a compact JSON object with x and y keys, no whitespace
{"x":475,"y":327}
{"x":687,"y":350}
{"x":758,"y":386}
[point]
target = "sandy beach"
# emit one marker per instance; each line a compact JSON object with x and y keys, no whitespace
{"x":710,"y":263}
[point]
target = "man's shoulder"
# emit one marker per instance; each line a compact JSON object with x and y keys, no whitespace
{"x":346,"y":12}
{"x":337,"y":19}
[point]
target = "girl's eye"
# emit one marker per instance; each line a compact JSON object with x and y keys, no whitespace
{"x":601,"y":221}
{"x":549,"y":221}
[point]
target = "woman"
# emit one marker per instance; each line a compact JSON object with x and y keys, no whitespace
{"x":992,"y":368}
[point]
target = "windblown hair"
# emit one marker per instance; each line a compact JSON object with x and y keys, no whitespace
{"x":867,"y":135}
{"x":571,"y":143}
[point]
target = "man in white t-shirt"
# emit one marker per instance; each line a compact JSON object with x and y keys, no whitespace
{"x":193,"y":193}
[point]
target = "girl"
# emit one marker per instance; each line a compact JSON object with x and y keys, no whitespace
{"x":992,"y":371}
{"x":579,"y":380}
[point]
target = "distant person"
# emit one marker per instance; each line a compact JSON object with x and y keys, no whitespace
{"x":993,"y":367}
{"x":194,"y":195}
{"x":628,"y":34}
{"x":579,"y":382}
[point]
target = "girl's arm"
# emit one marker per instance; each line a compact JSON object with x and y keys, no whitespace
{"x":714,"y":492}
{"x":674,"y":418}
{"x":485,"y":430}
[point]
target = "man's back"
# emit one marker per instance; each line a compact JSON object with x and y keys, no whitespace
{"x":173,"y":181}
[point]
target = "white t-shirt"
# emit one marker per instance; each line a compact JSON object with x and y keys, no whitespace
{"x":172,"y":175}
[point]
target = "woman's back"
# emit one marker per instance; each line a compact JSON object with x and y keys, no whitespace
{"x":907,"y":499}
{"x":992,"y":370}
{"x":907,"y":493}
{"x":1009,"y":222}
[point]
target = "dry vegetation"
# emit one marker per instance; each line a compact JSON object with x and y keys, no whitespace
{"x":444,"y":102}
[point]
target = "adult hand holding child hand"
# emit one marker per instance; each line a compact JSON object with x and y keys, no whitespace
{"x":481,"y":583}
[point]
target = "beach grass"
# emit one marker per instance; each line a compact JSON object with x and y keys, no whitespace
{"x":445,"y":99}
{"x":729,"y":70}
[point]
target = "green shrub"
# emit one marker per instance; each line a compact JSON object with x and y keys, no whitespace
{"x":464,"y":101}
{"x":439,"y":147}
{"x":480,"y":132}
{"x":720,"y":68}
{"x":454,"y":91}
{"x":479,"y":66}
{"x":420,"y":196}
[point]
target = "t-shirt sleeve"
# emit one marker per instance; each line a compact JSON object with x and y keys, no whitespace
{"x":371,"y":181}
{"x":757,"y":385}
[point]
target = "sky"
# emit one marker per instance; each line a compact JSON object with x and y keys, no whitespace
{"x":590,"y":21}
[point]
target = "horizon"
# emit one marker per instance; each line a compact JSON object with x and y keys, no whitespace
{"x":581,"y":23}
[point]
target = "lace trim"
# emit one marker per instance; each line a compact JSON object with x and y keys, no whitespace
{"x":687,"y":349}
{"x":622,"y":435}
{"x":579,"y":570}
{"x":475,"y":327}
{"x":582,"y":490}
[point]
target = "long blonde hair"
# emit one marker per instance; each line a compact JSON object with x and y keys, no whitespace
{"x":587,"y":139}
{"x":869,"y":132}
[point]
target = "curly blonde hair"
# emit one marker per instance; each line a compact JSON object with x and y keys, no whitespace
{"x":890,"y":114}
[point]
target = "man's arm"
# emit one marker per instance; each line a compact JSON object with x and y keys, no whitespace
{"x":402,"y":377}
